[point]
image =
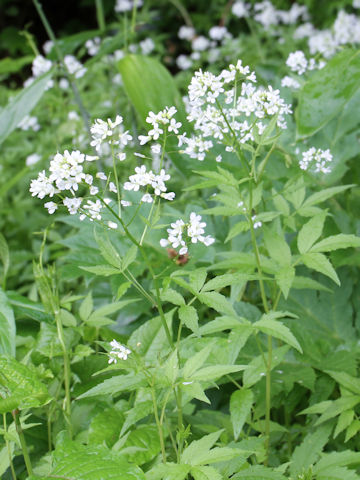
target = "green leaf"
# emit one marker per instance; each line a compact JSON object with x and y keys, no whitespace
{"x":21,"y":105}
{"x":188,"y":315}
{"x":85,"y":462}
{"x":258,"y":472}
{"x":205,"y":473}
{"x":347,"y":381}
{"x":172,"y":296}
{"x":129,"y":257}
{"x":221,"y":281}
{"x":212,"y":373}
{"x":319,"y":263}
{"x":108,"y":250}
{"x":196,"y":361}
{"x":67,"y":318}
{"x":168,"y":471}
{"x":198,"y":447}
{"x":337,"y":459}
{"x":86,"y":307}
{"x":338,"y":406}
{"x":323,"y":195}
{"x":7,"y":326}
{"x":115,"y":385}
{"x":310,"y":232}
{"x":277,"y":247}
{"x":236,"y":229}
{"x":14,"y":65}
{"x":146,"y":438}
{"x":335,"y":242}
{"x":240,"y":407}
{"x":102,"y":270}
{"x":306,"y":282}
{"x":327,"y":92}
{"x":19,"y":386}
{"x":344,"y":420}
{"x":278,"y":330}
{"x":352,"y":429}
{"x":150,"y":339}
{"x":309,"y":450}
{"x":257,"y":369}
{"x":216,"y":301}
{"x":284,"y":278}
{"x":105,"y":427}
{"x":4,"y":255}
{"x":337,"y":473}
{"x":138,"y":412}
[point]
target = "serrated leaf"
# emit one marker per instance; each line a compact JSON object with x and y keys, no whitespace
{"x":278,"y":330}
{"x":115,"y":385}
{"x":319,"y":263}
{"x":352,"y":429}
{"x":188,"y":315}
{"x":258,"y":472}
{"x":108,"y":250}
{"x":284,"y":278}
{"x":337,"y":459}
{"x":199,"y":447}
{"x":277,"y":247}
{"x":240,"y":407}
{"x":335,"y":242}
{"x":129,"y":257}
{"x":236,"y":229}
{"x":216,"y":301}
{"x":146,"y":437}
{"x":102,"y":270}
{"x":214,"y":372}
{"x":205,"y":473}
{"x":85,"y":462}
{"x":300,"y":282}
{"x":325,"y":194}
{"x":138,"y":412}
{"x":86,"y":307}
{"x":344,"y":420}
{"x":67,"y":318}
{"x":20,"y":387}
{"x":347,"y":381}
{"x":338,"y":406}
{"x":172,"y":296}
{"x":309,"y":450}
{"x":105,"y":427}
{"x":196,"y":361}
{"x":256,"y":369}
{"x":310,"y":232}
{"x":221,"y":281}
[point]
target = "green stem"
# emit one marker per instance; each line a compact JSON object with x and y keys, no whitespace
{"x":159,"y":426}
{"x":100,"y":15}
{"x":67,"y":371}
{"x":51,"y":34}
{"x":24,"y":448}
{"x":9,"y":449}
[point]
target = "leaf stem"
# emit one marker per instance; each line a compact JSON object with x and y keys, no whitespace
{"x":158,"y":424}
{"x":24,"y":448}
{"x":13,"y":474}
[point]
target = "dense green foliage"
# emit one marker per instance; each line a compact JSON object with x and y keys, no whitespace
{"x":236,"y":358}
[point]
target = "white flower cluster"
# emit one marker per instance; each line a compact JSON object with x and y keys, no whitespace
{"x":118,"y":352}
{"x":142,"y":178}
{"x":93,"y":46}
{"x":74,"y":67}
{"x":110,"y":132}
{"x":40,"y":66}
{"x":268,"y":16}
{"x":160,"y":121}
{"x":299,"y":64}
{"x":181,"y":233}
{"x":316,"y":159}
{"x":220,"y":108}
{"x":345,"y":31}
{"x":126,"y":5}
{"x":29,"y":123}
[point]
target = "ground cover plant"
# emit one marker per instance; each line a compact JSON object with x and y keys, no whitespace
{"x":180,"y":243}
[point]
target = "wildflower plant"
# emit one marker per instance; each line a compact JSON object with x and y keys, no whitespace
{"x":194,"y":326}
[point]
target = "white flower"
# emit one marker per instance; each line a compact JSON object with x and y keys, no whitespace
{"x":29,"y":123}
{"x":200,"y":43}
{"x":51,"y":206}
{"x":122,"y":156}
{"x":290,"y":83}
{"x":218,"y":33}
{"x":240,"y":9}
{"x":147,"y":198}
{"x":94,"y":190}
{"x":74,"y":67}
{"x":125,"y":203}
{"x":256,"y":223}
{"x":40,"y":65}
{"x":297,"y":62}
{"x":94,"y":209}
{"x":316,"y":159}
{"x":101,"y":175}
{"x":112,"y":187}
{"x":42,"y":186}
{"x":72,"y":204}
{"x":147,"y":46}
{"x":112,"y":225}
{"x":93,"y":46}
{"x":186,"y":33}
{"x":118,"y":352}
{"x":183,"y":62}
{"x":32,"y":159}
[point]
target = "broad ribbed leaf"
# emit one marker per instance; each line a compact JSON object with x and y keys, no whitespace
{"x":19,"y":386}
{"x":7,"y":326}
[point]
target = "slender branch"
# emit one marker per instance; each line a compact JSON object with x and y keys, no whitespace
{"x":100,"y":15}
{"x":24,"y":448}
{"x":13,"y":474}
